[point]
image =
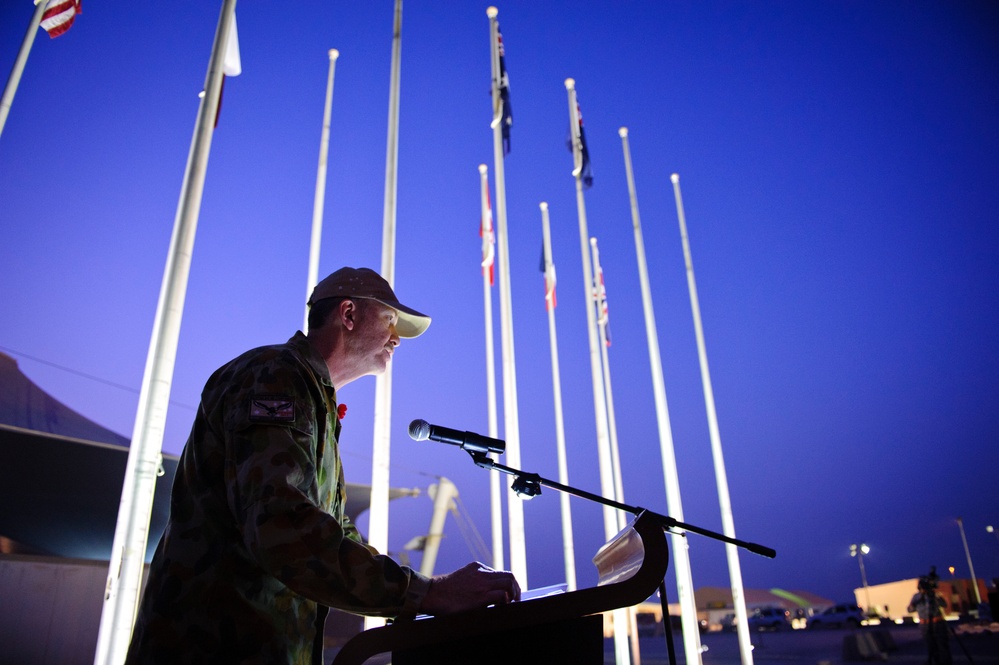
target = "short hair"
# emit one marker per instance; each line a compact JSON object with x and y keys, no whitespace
{"x":320,"y":311}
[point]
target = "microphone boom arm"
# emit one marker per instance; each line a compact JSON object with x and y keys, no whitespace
{"x":529,"y":484}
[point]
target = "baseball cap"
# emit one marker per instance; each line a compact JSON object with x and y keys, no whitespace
{"x":366,"y":283}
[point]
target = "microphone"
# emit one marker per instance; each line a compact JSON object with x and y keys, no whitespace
{"x":421,"y":430}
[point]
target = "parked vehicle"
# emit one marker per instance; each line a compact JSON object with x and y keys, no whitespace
{"x":649,"y":625}
{"x":799,"y":618}
{"x":727,"y":622}
{"x":769,"y":618}
{"x":843,"y":615}
{"x":760,"y":618}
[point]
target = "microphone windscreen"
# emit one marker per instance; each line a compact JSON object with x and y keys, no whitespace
{"x":419,"y":430}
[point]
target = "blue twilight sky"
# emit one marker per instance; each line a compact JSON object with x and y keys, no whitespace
{"x":840,"y":179}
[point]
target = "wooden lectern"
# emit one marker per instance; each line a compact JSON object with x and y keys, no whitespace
{"x":562,"y":628}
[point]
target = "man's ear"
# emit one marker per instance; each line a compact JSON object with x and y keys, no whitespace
{"x":348,"y":314}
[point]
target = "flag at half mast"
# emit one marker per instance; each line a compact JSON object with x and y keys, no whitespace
{"x":600,"y":296}
{"x":59,"y":16}
{"x":504,"y":114}
{"x":549,"y":270}
{"x":488,"y":241}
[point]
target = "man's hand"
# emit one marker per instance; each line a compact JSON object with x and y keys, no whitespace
{"x":475,"y":585}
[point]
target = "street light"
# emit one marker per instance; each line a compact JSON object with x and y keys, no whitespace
{"x":859,"y":551}
{"x":967,"y":552}
{"x":991,"y":530}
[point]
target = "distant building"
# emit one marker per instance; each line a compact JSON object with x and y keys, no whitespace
{"x":891,"y":600}
{"x":714,"y":603}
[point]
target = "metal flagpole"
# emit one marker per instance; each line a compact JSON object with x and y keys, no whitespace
{"x":568,"y":549}
{"x":317,"y":206}
{"x":600,"y":299}
{"x":721,"y":479}
{"x":602,"y":314}
{"x":511,"y":418}
{"x":22,"y":58}
{"x":599,"y":405}
{"x":488,"y":269}
{"x":378,"y":511}
{"x":971,"y":567}
{"x":144,"y":456}
{"x":681,"y":555}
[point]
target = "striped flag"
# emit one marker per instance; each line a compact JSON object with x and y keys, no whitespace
{"x":488,"y":241}
{"x":59,"y":16}
{"x":505,"y":113}
{"x":600,"y":295}
{"x":549,"y":270}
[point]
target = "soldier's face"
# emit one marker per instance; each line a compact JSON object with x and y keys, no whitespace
{"x":375,"y":338}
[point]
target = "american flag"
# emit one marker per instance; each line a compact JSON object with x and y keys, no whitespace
{"x":59,"y":16}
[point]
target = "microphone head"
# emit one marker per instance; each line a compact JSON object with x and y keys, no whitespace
{"x":419,"y":430}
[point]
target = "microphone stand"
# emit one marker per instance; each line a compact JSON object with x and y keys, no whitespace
{"x":528,"y":485}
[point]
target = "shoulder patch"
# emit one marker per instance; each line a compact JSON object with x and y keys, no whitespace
{"x":272,"y":410}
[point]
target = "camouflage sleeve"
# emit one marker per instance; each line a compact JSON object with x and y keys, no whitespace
{"x":273,"y":492}
{"x":350,"y":531}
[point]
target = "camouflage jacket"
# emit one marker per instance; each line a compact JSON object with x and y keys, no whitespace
{"x":257,"y":544}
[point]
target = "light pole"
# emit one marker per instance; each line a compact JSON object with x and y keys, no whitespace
{"x":967,"y":552}
{"x":859,"y":551}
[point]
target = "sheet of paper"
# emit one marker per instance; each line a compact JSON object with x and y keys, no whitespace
{"x":541,"y":592}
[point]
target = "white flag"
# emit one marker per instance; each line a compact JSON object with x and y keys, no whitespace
{"x":232,"y":65}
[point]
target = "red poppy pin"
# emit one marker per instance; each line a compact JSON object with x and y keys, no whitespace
{"x":341,"y":411}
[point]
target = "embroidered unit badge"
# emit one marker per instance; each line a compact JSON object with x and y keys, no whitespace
{"x":272,"y":410}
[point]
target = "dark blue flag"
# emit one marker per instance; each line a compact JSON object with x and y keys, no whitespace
{"x":584,"y":173}
{"x":506,"y":117}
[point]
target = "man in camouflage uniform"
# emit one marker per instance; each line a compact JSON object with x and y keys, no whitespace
{"x":258,"y":546}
